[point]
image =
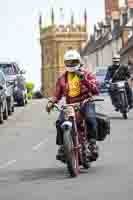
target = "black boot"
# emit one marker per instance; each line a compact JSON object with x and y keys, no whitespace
{"x":60,"y":154}
{"x":94,"y":150}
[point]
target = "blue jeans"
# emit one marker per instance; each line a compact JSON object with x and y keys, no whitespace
{"x":89,"y":113}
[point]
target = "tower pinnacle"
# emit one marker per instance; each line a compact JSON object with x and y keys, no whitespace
{"x":72,"y":18}
{"x":85,"y":19}
{"x":40,"y":20}
{"x":52,"y":16}
{"x":85,"y":16}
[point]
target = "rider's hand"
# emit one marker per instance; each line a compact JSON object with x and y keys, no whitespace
{"x":49,"y":106}
{"x":80,"y":74}
{"x":130,"y":82}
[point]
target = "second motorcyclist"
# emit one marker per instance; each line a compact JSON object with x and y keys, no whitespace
{"x":118,"y":72}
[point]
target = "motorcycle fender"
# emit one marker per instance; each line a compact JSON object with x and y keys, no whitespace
{"x":66,"y":125}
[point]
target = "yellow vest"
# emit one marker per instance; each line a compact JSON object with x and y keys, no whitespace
{"x":74,"y":84}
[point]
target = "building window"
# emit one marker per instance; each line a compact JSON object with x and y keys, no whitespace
{"x":131,"y":12}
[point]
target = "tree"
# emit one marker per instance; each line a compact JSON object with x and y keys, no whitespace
{"x":29,"y":87}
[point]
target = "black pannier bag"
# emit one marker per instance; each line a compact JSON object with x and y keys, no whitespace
{"x":103,"y":126}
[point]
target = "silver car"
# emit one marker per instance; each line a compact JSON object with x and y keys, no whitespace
{"x":15,"y":76}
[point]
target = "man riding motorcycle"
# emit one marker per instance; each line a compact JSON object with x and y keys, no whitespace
{"x":118,"y":72}
{"x":77,"y":84}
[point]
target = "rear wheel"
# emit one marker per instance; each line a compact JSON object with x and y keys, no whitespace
{"x":71,"y":154}
{"x":5,"y":113}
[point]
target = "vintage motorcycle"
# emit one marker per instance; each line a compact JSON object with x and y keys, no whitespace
{"x":118,"y":95}
{"x":75,"y":140}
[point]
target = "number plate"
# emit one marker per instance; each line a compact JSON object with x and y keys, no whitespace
{"x":69,"y":112}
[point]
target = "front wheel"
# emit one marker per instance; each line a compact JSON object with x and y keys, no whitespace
{"x":21,"y":102}
{"x":71,"y":154}
{"x":125,"y":115}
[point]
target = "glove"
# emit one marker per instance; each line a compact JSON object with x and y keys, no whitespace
{"x":80,"y":74}
{"x":132,"y":78}
{"x":49,"y":106}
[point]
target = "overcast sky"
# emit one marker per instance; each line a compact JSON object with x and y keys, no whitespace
{"x":19,"y":39}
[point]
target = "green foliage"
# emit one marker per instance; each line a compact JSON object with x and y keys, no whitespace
{"x":29,"y":87}
{"x":29,"y":95}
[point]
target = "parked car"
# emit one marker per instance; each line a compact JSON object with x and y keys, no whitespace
{"x":37,"y":95}
{"x":10,"y":97}
{"x":100,"y":76}
{"x":3,"y":98}
{"x":15,"y":76}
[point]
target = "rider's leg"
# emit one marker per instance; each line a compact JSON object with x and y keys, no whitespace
{"x":114,"y":100}
{"x":129,"y":95}
{"x":89,"y":113}
{"x":59,"y":136}
{"x":88,"y":110}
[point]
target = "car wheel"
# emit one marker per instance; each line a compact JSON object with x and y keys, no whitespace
{"x":26,"y":101}
{"x":12,"y":108}
{"x":1,"y":115}
{"x":9,"y":108}
{"x":12,"y":105}
{"x":22,"y":102}
{"x":5,"y":113}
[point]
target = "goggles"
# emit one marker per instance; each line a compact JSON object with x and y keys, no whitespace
{"x":72,"y":63}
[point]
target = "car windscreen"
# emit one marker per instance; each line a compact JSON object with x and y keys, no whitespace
{"x":7,"y":69}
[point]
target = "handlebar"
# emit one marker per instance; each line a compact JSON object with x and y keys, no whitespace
{"x":95,"y":100}
{"x":77,"y":104}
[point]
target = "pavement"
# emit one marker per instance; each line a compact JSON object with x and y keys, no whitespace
{"x":29,"y":170}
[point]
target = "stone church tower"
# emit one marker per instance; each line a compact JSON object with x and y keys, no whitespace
{"x":55,"y":40}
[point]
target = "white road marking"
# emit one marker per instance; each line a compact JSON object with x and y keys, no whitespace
{"x":36,"y":147}
{"x":7,"y":164}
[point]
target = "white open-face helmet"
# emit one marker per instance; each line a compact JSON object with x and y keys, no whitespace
{"x":72,"y":61}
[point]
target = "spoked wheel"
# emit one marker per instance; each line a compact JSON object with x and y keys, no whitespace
{"x":72,"y":157}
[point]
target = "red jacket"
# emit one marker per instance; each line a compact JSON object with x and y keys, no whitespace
{"x":88,"y":88}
